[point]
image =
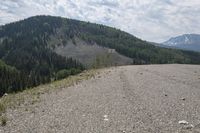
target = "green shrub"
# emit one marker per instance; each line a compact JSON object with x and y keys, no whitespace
{"x":2,"y":108}
{"x":3,"y":121}
{"x":74,"y":71}
{"x":63,"y":74}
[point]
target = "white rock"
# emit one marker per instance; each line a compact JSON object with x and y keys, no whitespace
{"x":5,"y":94}
{"x":184,"y":122}
{"x":105,"y":117}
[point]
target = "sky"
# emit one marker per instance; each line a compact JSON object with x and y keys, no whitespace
{"x":151,"y":20}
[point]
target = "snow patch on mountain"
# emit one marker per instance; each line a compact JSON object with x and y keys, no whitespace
{"x":187,"y":41}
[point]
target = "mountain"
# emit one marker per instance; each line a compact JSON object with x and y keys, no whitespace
{"x":186,"y":41}
{"x":46,"y":48}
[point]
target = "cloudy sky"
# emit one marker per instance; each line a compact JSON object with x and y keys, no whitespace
{"x":152,"y":20}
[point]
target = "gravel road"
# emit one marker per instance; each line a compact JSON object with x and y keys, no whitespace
{"x":128,"y":99}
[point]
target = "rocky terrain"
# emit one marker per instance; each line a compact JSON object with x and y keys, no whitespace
{"x":88,"y":54}
{"x":127,"y":99}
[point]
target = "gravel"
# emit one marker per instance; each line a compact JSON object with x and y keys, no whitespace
{"x":127,"y":99}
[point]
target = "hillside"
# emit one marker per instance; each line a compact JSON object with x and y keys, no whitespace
{"x":56,"y":33}
{"x":186,"y":41}
{"x":23,"y":45}
{"x":46,"y":48}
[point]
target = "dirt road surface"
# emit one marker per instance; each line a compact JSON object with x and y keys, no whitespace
{"x":127,"y":99}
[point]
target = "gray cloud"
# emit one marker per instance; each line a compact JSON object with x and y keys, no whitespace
{"x":108,"y":3}
{"x":152,"y":20}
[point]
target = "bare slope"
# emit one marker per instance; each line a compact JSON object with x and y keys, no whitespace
{"x":129,"y":99}
{"x":91,"y":54}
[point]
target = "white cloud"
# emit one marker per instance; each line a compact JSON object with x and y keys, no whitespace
{"x":152,"y":20}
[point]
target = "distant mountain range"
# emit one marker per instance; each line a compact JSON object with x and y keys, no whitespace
{"x":186,"y":41}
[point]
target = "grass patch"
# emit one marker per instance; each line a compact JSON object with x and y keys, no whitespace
{"x":3,"y":120}
{"x":31,"y":96}
{"x":2,"y":108}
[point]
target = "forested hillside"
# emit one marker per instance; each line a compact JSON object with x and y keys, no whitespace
{"x":29,"y":46}
{"x":24,"y":46}
{"x":38,"y":32}
{"x":140,"y":51}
